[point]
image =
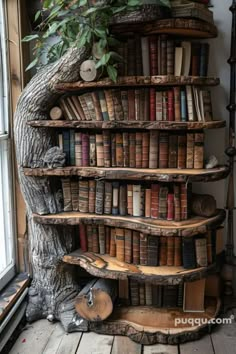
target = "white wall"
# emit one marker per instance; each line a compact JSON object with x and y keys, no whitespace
{"x":216,"y":140}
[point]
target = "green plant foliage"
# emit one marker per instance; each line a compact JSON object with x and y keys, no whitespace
{"x":80,"y":23}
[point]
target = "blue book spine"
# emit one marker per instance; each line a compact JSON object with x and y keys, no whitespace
{"x":183,"y":106}
{"x":204,"y":55}
{"x":72,"y":147}
{"x":103,"y":105}
{"x":66,"y":145}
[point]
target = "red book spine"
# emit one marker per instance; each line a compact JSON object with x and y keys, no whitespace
{"x":85,"y":150}
{"x":153,"y":55}
{"x":155,"y":201}
{"x":171,"y":112}
{"x":131,"y":105}
{"x":184,"y":201}
{"x":107,"y":238}
{"x":152,"y":104}
{"x":82,"y":237}
{"x":170,"y":206}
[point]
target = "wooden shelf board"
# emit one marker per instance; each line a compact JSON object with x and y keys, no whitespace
{"x":151,"y":325}
{"x":157,"y":125}
{"x":105,"y":266}
{"x":128,"y":81}
{"x":188,"y":227}
{"x":164,"y":175}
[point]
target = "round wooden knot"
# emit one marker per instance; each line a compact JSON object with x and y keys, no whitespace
{"x":88,"y":72}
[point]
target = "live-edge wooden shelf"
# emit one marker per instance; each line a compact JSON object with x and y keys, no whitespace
{"x":162,"y":175}
{"x":150,"y":325}
{"x":130,"y":81}
{"x":104,"y":266}
{"x":190,"y":227}
{"x":127,"y":124}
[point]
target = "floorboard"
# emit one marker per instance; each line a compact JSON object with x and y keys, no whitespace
{"x":160,"y":349}
{"x":69,"y":343}
{"x":92,"y":343}
{"x":124,"y":345}
{"x":224,"y":337}
{"x":55,"y":340}
{"x":203,"y":346}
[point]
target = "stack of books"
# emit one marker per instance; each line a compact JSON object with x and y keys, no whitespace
{"x":192,"y":9}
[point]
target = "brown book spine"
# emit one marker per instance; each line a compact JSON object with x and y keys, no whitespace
{"x":95,"y":242}
{"x":123,"y":199}
{"x":78,"y":149}
{"x":124,"y":100}
{"x":147,"y":203}
{"x":170,"y":207}
{"x":99,"y":150}
{"x":163,"y":149}
{"x":107,"y":148}
{"x":137,"y":102}
{"x":153,"y":55}
{"x":131,"y":105}
{"x":142,"y":201}
{"x":155,"y":201}
{"x":201,"y":252}
{"x":146,"y":108}
{"x":84,"y":196}
{"x":177,"y":204}
{"x":136,"y":247}
{"x":178,"y":251}
{"x":163,"y":194}
{"x":143,"y":249}
{"x":78,"y":106}
{"x":142,"y":294}
{"x":107,"y":239}
{"x":152,"y":96}
{"x":85,"y":150}
{"x":132,"y":150}
{"x":138,"y":150}
{"x":190,"y":151}
{"x":165,"y":105}
{"x":138,"y":56}
{"x":195,"y":60}
{"x":163,"y":251}
{"x":177,"y":104}
{"x":113,"y":150}
{"x":113,"y":242}
{"x":153,"y":149}
{"x":99,"y":204}
{"x":110,"y":106}
{"x":120,"y":244}
{"x":75,"y":195}
{"x":148,"y":294}
{"x":182,"y":147}
{"x":108,"y":198}
{"x":101,"y":237}
{"x":92,"y":150}
{"x":85,"y":109}
{"x":170,"y":104}
{"x":173,"y":150}
{"x":198,"y":150}
{"x":170,"y":251}
{"x":145,"y":150}
{"x":125,"y":149}
{"x":170,"y":56}
{"x":184,"y":201}
{"x":152,"y":250}
{"x":97,"y":107}
{"x":116,"y":95}
{"x":134,"y":292}
{"x":128,"y":246}
{"x":130,"y":199}
{"x":163,"y":54}
{"x":131,"y":62}
{"x":92,"y":196}
{"x":119,"y":150}
{"x":83,"y":237}
{"x":89,"y":232}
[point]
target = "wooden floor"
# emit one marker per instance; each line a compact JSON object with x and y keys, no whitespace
{"x":43,"y":337}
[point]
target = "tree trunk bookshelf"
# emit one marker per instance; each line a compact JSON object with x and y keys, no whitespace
{"x":54,"y":288}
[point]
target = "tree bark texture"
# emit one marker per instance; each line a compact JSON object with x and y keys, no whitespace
{"x":53,"y":288}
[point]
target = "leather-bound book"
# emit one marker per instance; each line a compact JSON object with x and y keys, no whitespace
{"x":177,"y":103}
{"x":152,"y":250}
{"x":85,"y":150}
{"x":170,"y":207}
{"x":66,"y":189}
{"x":101,"y":238}
{"x":138,"y":150}
{"x":143,"y":113}
{"x":92,"y":150}
{"x":78,"y":149}
{"x":190,"y":151}
{"x":170,"y":57}
{"x":145,"y":150}
{"x":106,"y":148}
{"x":148,"y":203}
{"x":153,"y":55}
{"x":115,"y":198}
{"x":163,"y":194}
{"x":120,"y":49}
{"x":143,"y":249}
{"x":182,"y":149}
{"x":83,"y":238}
{"x":131,"y":62}
{"x":119,"y":150}
{"x":152,"y":97}
{"x":113,"y":150}
{"x":110,"y":105}
{"x":95,"y":241}
{"x":84,"y":107}
{"x":173,"y":151}
{"x":148,"y":294}
{"x":84,"y":196}
{"x":155,"y":188}
{"x":138,"y":56}
{"x":113,"y":242}
{"x":132,"y":150}
{"x":125,"y":149}
{"x":107,"y":239}
{"x":204,"y":58}
{"x":163,"y":251}
{"x":130,"y":199}
{"x":66,"y":145}
{"x":103,"y":105}
{"x":163,"y":149}
{"x":74,"y":195}
{"x":178,"y":251}
{"x":108,"y":198}
{"x":184,"y":201}
{"x":89,"y":232}
{"x":170,"y":105}
{"x":201,"y":251}
{"x":159,"y":105}
{"x":183,"y":105}
{"x":163,"y":38}
{"x":131,"y":105}
{"x":124,"y":292}
{"x":188,"y":251}
{"x":153,"y":149}
{"x":99,"y":204}
{"x":157,"y":295}
{"x":97,"y":107}
{"x":136,"y":247}
{"x":190,"y":104}
{"x":78,"y":106}
{"x":137,"y":102}
{"x":145,"y":56}
{"x":124,"y":101}
{"x":90,"y":105}
{"x":170,"y":251}
{"x":195,"y":59}
{"x":177,"y":204}
{"x":123,"y":199}
{"x":128,"y":246}
{"x":170,"y":294}
{"x":99,"y":150}
{"x":118,"y":109}
{"x":92,"y":196}
{"x":198,"y":150}
{"x":142,"y":201}
{"x":120,"y":244}
{"x":141,"y":294}
{"x":134,"y":292}
{"x":136,"y":199}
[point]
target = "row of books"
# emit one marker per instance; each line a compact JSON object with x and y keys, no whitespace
{"x":157,"y":201}
{"x":142,"y":104}
{"x":146,"y":250}
{"x":161,"y":55}
{"x":135,"y":150}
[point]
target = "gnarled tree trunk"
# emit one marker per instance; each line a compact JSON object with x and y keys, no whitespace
{"x":53,"y":288}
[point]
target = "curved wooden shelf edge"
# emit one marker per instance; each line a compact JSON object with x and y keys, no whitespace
{"x":190,"y":227}
{"x":129,"y":124}
{"x":104,"y":266}
{"x":162,"y":175}
{"x":134,"y":322}
{"x":123,"y":81}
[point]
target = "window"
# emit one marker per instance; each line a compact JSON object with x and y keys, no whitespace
{"x":7,"y":254}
